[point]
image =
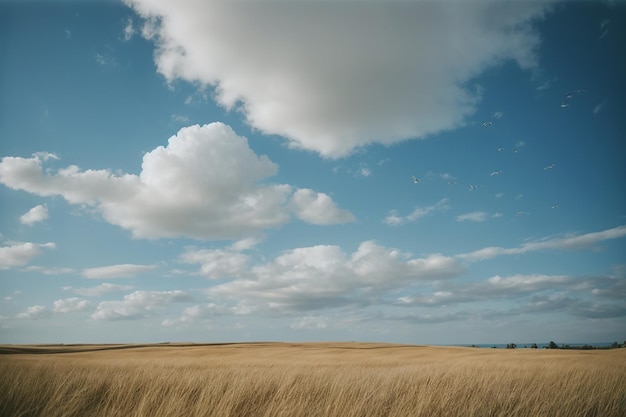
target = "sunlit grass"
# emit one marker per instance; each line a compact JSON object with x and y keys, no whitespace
{"x":316,"y":379}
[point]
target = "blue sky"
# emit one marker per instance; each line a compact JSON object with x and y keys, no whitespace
{"x":213,"y":171}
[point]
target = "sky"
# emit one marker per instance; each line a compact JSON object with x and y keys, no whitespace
{"x":397,"y":171}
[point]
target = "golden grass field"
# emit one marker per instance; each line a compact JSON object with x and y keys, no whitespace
{"x":309,"y":379}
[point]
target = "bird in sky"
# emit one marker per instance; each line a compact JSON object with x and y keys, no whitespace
{"x":472,"y":186}
{"x":554,"y":207}
{"x":569,"y":96}
{"x":515,"y":150}
{"x":494,"y":173}
{"x":521,"y":213}
{"x":487,"y":123}
{"x":548,"y":167}
{"x":500,"y":149}
{"x":415,"y":179}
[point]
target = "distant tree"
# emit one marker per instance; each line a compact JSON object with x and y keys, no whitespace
{"x":614,"y":345}
{"x":533,"y":346}
{"x":552,"y":345}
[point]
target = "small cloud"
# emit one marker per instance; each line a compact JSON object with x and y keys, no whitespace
{"x":20,"y":253}
{"x":35,"y":215}
{"x":116,"y":271}
{"x":318,"y":208}
{"x":99,"y":290}
{"x":365,"y":172}
{"x":497,"y":115}
{"x":44,"y":156}
{"x":138,"y":304}
{"x":129,"y":29}
{"x":33,"y":312}
{"x":180,"y":118}
{"x":310,"y":323}
{"x":48,"y":270}
{"x":604,"y":29}
{"x":394,"y":220}
{"x":598,"y":108}
{"x":70,"y":305}
{"x":106,"y":58}
{"x":475,"y":216}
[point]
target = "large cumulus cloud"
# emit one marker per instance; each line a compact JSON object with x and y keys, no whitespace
{"x":333,"y":76}
{"x":205,"y":184}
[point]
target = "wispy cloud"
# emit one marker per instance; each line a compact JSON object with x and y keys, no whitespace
{"x":99,"y":290}
{"x":598,"y":108}
{"x":129,"y":29}
{"x":394,"y":220}
{"x":33,"y":312}
{"x":116,"y":271}
{"x":475,"y":216}
{"x":568,"y":242}
{"x":138,"y":304}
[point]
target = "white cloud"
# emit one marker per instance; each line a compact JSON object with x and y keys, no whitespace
{"x":99,"y":290}
{"x":205,"y":184}
{"x":70,"y":305}
{"x":310,"y":323}
{"x":33,"y":312}
{"x":333,"y":76}
{"x":20,"y":253}
{"x":311,"y":278}
{"x":129,"y":29}
{"x":598,"y":108}
{"x":116,"y":271}
{"x":494,"y":288}
{"x":196,"y":313}
{"x":217,"y":263}
{"x":475,"y":216}
{"x":49,"y":270}
{"x":569,"y":242}
{"x":36,"y":214}
{"x":394,"y":220}
{"x":137,"y":304}
{"x":318,"y":208}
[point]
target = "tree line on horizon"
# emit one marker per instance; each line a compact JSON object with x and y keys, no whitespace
{"x":553,"y":345}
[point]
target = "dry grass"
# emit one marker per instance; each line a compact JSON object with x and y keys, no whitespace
{"x":312,"y":379}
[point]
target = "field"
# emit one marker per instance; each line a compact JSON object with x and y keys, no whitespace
{"x":309,"y":379}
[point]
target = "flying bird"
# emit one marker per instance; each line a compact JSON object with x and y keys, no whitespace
{"x":415,"y":179}
{"x":487,"y":123}
{"x":521,"y":213}
{"x":569,"y":96}
{"x":548,"y":167}
{"x":500,"y":149}
{"x":515,"y":150}
{"x":554,"y":207}
{"x":494,"y":173}
{"x":472,"y":186}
